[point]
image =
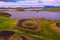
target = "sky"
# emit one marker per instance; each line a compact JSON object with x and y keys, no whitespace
{"x":9,"y":0}
{"x":29,"y":3}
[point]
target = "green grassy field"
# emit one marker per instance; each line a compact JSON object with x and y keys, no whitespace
{"x":45,"y":32}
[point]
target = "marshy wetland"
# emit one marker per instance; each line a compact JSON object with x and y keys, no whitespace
{"x":29,"y":25}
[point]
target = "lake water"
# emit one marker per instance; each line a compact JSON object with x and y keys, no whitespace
{"x":32,"y":14}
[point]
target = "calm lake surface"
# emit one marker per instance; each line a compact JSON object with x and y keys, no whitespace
{"x":33,"y":14}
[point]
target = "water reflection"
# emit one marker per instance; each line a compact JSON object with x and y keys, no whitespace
{"x":32,"y":14}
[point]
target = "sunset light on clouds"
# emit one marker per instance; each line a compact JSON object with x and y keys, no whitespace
{"x":29,"y":3}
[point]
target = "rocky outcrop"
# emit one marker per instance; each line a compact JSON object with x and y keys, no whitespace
{"x":5,"y":14}
{"x":58,"y":24}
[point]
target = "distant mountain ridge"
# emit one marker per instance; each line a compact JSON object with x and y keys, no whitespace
{"x":52,"y":7}
{"x":30,"y":7}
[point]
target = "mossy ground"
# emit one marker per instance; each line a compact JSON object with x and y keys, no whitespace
{"x":45,"y":34}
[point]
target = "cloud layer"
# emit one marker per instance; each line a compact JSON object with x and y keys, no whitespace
{"x":29,"y":3}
